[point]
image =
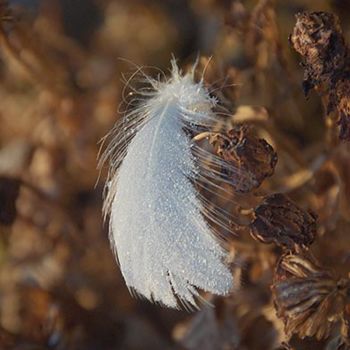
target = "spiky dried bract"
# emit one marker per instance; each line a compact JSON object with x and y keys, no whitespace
{"x":318,"y":38}
{"x":342,"y":340}
{"x":158,"y":225}
{"x":338,"y":344}
{"x":279,"y":220}
{"x":344,"y":343}
{"x":253,"y":158}
{"x":309,"y":299}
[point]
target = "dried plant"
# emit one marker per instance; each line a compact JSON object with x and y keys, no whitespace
{"x":283,"y":225}
{"x":318,"y":38}
{"x":309,"y":299}
{"x":251,"y":158}
{"x":277,"y":219}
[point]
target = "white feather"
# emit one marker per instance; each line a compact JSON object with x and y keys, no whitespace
{"x":159,"y":223}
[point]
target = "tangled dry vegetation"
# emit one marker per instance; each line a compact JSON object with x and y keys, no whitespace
{"x":290,"y":252}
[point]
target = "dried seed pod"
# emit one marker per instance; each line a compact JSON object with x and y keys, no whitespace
{"x":9,"y":190}
{"x":307,"y":298}
{"x":318,"y":38}
{"x":253,"y":159}
{"x":279,"y":220}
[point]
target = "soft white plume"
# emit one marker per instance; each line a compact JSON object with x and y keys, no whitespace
{"x":159,"y":223}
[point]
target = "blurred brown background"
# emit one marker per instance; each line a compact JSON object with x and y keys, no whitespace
{"x":61,"y":65}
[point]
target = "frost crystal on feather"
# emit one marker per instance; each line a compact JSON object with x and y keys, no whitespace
{"x":158,"y":221}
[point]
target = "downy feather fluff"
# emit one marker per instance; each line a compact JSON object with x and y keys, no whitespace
{"x":161,"y":228}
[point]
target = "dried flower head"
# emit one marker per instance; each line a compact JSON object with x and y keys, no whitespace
{"x":279,"y":220}
{"x":309,"y":299}
{"x":318,"y":38}
{"x":253,"y":158}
